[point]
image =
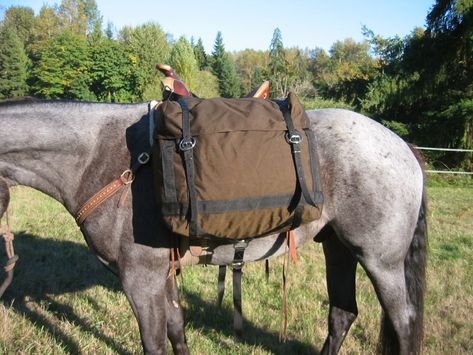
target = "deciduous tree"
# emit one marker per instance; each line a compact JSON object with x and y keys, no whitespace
{"x":146,"y":46}
{"x":183,"y":61}
{"x":110,"y":71}
{"x":62,"y":69}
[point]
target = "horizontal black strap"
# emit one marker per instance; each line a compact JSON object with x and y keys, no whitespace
{"x":237,"y":205}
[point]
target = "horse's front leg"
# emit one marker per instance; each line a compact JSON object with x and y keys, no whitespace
{"x":144,"y":275}
{"x":175,"y":319}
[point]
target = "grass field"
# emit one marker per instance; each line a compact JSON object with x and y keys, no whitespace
{"x":62,"y":301}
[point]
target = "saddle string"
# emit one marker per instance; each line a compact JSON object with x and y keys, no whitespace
{"x":8,"y":238}
{"x":291,"y":256}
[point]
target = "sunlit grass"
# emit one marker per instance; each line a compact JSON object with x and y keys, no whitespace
{"x":63,"y":301}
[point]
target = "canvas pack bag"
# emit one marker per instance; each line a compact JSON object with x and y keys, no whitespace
{"x":235,"y":168}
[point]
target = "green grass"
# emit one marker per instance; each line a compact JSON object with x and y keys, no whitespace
{"x":63,"y":301}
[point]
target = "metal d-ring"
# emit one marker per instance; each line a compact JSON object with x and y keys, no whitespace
{"x":143,"y":158}
{"x":187,"y":143}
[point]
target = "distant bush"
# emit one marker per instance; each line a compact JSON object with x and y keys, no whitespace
{"x":401,"y":129}
{"x":318,"y":103}
{"x":447,"y":180}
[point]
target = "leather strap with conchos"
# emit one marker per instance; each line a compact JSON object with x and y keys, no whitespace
{"x":104,"y":194}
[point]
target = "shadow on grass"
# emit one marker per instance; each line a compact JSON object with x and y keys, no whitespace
{"x":53,"y":267}
{"x":208,"y":318}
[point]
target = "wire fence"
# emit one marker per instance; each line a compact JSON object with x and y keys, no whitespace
{"x":448,"y":150}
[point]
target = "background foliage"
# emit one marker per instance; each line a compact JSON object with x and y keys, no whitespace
{"x":420,"y":86}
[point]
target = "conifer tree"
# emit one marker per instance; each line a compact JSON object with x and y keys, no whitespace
{"x":224,"y":69}
{"x":13,"y":64}
{"x":200,"y":55}
{"x":20,"y":19}
{"x":277,"y":66}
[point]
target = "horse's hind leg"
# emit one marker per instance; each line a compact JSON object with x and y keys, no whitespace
{"x":341,"y":268}
{"x":389,"y":283}
{"x":399,"y":280}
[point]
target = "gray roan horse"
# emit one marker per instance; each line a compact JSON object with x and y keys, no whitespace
{"x":374,"y":213}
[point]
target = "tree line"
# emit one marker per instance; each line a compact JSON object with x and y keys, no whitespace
{"x":420,"y":85}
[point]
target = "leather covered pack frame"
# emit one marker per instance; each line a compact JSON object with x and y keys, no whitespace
{"x":235,"y":168}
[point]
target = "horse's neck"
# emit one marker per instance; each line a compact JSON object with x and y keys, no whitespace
{"x":67,"y":150}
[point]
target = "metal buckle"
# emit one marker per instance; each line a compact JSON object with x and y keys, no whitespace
{"x":187,"y":143}
{"x":294,"y":138}
{"x":239,"y":247}
{"x":127,"y":177}
{"x":143,"y":158}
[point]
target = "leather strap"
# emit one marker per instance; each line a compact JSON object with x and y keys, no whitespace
{"x":222,"y":272}
{"x":104,"y":194}
{"x":237,"y":266}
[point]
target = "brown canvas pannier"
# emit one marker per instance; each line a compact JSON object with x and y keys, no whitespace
{"x":235,"y":168}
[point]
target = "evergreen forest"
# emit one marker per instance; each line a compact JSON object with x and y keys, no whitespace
{"x":420,"y":85}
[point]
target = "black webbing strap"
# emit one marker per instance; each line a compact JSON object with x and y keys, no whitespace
{"x":222,"y":272}
{"x":294,"y":138}
{"x":314,"y":165}
{"x":237,"y":267}
{"x":186,"y":146}
{"x":266,"y":270}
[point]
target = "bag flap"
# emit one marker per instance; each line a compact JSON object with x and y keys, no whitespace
{"x":220,"y":115}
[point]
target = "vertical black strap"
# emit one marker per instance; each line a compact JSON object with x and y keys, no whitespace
{"x":266,"y":270}
{"x":294,"y":138}
{"x":222,"y":272}
{"x":314,"y":165}
{"x":237,"y":266}
{"x":186,"y":145}
{"x":237,"y":315}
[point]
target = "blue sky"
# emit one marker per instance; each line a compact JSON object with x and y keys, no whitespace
{"x":250,"y":24}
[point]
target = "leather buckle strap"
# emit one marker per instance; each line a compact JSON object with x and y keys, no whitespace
{"x":186,"y":146}
{"x":104,"y":194}
{"x":237,"y":266}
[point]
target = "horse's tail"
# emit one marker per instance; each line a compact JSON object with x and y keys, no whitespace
{"x":414,"y":269}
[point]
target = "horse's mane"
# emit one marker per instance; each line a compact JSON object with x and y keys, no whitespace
{"x":19,"y":100}
{"x":31,"y":99}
